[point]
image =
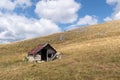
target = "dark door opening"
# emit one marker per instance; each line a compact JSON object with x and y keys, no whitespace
{"x":44,"y":54}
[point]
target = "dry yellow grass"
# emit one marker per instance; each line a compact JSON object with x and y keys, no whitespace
{"x":89,"y":53}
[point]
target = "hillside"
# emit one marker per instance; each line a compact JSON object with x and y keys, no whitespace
{"x":88,"y":53}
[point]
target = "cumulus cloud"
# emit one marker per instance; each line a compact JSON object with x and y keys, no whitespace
{"x":9,"y":6}
{"x":87,"y":20}
{"x":108,"y":19}
{"x":14,"y":27}
{"x":116,"y":14}
{"x":63,"y":11}
{"x":12,"y":4}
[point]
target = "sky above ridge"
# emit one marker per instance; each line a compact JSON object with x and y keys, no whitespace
{"x":24,"y":19}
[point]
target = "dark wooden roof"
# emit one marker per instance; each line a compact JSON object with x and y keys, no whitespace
{"x":39,"y":48}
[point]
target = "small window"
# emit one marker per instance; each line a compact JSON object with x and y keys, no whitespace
{"x":49,"y":55}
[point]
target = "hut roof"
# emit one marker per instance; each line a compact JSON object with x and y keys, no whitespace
{"x":39,"y":48}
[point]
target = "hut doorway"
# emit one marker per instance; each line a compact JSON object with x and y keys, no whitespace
{"x":44,"y":54}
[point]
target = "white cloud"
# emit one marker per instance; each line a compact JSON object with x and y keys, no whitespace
{"x":14,"y":27}
{"x":63,"y":11}
{"x":116,"y":14}
{"x":11,"y":5}
{"x":108,"y":19}
{"x":87,"y":20}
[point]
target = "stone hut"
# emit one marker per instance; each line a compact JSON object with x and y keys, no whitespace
{"x":43,"y":52}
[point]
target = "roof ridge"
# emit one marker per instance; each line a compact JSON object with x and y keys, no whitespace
{"x":37,"y":48}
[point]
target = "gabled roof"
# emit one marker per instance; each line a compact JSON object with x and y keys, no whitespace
{"x":39,"y":48}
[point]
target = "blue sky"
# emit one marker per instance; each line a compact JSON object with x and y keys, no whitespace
{"x":95,"y":7}
{"x":24,"y":19}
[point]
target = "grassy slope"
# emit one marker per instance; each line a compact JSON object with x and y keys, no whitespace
{"x":89,"y":53}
